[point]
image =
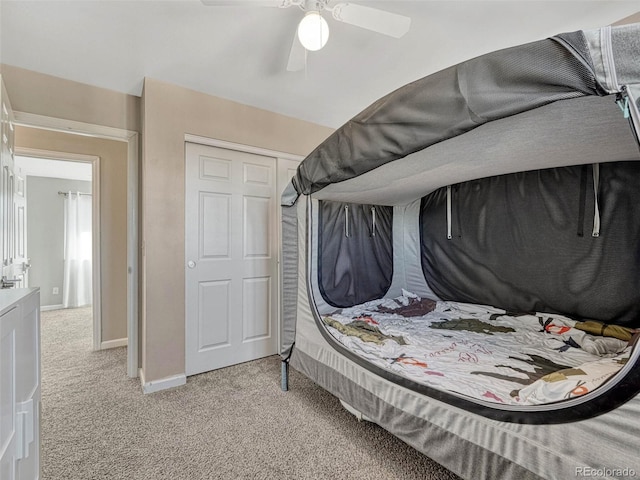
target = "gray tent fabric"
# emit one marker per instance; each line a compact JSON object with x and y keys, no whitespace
{"x":289,"y":279}
{"x":289,"y":195}
{"x":487,"y":88}
{"x":470,"y":94}
{"x":625,"y":47}
{"x":571,"y":100}
{"x":532,"y":140}
{"x":614,"y":55}
{"x":407,"y":269}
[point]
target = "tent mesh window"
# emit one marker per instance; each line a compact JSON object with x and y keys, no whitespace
{"x":355,"y":252}
{"x":528,"y":242}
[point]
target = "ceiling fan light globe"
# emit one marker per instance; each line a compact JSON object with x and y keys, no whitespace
{"x":313,"y":31}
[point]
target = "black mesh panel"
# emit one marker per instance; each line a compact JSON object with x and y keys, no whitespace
{"x":578,"y":43}
{"x":517,"y":243}
{"x":356,"y":268}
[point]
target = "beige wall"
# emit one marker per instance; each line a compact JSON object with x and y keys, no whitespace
{"x":40,"y":94}
{"x":113,"y":215}
{"x":635,"y":18}
{"x":33,"y":92}
{"x":164,"y":114}
{"x":169,"y":113}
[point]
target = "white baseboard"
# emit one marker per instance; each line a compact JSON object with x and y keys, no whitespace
{"x":48,"y":308}
{"x":118,"y":342}
{"x":162,"y":384}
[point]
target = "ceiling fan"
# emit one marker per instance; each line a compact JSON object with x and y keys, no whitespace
{"x":313,"y":31}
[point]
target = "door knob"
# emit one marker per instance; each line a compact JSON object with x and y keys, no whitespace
{"x":191,"y":264}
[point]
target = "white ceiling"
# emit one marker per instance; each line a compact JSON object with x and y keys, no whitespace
{"x":43,"y":167}
{"x":240,"y":53}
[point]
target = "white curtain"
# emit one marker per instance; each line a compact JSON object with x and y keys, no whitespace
{"x":77,"y":250}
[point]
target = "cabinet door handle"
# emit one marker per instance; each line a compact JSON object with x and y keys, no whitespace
{"x":24,"y":428}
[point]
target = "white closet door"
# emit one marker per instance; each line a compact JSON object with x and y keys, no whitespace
{"x":231,"y":257}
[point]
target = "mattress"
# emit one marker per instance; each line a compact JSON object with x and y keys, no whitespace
{"x":478,"y":351}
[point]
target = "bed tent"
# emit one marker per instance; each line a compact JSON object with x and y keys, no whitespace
{"x":509,"y":180}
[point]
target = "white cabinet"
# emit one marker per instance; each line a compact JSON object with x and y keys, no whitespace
{"x":20,"y":384}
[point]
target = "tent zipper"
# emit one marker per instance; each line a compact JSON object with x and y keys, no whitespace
{"x":630,"y":111}
{"x":346,"y":221}
{"x":373,"y":221}
{"x":449,"y":212}
{"x":622,"y":99}
{"x":596,"y":212}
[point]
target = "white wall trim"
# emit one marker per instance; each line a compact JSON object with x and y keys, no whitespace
{"x":51,"y":155}
{"x":71,"y":126}
{"x":212,"y":142}
{"x":132,"y":255}
{"x":132,"y":139}
{"x":96,"y":280}
{"x":163,"y":383}
{"x":49,"y":308}
{"x":96,"y":263}
{"x":118,"y":342}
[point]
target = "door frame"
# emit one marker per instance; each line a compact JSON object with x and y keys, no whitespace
{"x":96,"y":280}
{"x":278,"y":155}
{"x":131,"y":138}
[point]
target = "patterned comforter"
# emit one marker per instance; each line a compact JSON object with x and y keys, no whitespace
{"x":480,"y":351}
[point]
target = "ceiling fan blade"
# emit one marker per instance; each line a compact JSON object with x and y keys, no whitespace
{"x":297,"y":55}
{"x":249,"y":3}
{"x":374,"y":19}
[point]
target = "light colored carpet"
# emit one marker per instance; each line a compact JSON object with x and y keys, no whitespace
{"x":232,"y":423}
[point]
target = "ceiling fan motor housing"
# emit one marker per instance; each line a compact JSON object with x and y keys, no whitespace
{"x":314,"y":5}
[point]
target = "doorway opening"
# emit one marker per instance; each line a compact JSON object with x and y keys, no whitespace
{"x":127,"y":247}
{"x":61,"y":232}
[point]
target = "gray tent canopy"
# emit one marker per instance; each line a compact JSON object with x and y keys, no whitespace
{"x":546,"y":89}
{"x":508,"y":180}
{"x":512,"y":181}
